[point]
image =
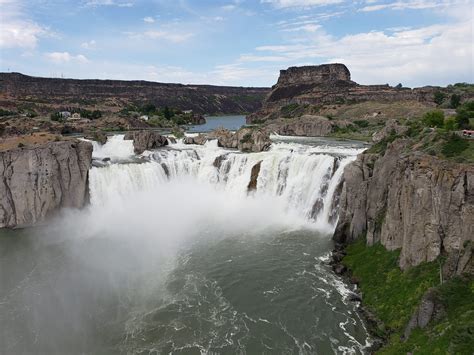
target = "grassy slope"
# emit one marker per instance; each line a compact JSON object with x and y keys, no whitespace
{"x":393,"y":295}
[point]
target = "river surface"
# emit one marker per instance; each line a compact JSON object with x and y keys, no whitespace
{"x":175,"y":256}
{"x":232,"y":123}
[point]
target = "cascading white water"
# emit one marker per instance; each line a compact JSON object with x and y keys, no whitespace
{"x":299,"y":177}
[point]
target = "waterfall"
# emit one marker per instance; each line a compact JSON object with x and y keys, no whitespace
{"x":300,"y":177}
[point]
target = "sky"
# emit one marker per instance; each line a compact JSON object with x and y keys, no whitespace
{"x":239,"y":42}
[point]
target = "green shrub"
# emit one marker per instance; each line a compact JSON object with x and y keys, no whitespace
{"x":6,"y":112}
{"x":434,"y":118}
{"x":362,"y":123}
{"x":455,"y":100}
{"x":464,"y":113}
{"x":454,"y":146}
{"x":450,"y":124}
{"x":439,"y":97}
{"x":289,"y":109}
{"x":247,"y":138}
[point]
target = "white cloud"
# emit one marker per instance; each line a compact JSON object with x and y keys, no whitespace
{"x":300,"y":3}
{"x":438,"y":54}
{"x":167,"y":35}
{"x":118,"y":3}
{"x":16,"y":29}
{"x":410,"y":4}
{"x":89,"y":45}
{"x":66,"y":57}
{"x":149,"y":19}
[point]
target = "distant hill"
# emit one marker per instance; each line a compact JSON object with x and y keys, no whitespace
{"x":112,"y":95}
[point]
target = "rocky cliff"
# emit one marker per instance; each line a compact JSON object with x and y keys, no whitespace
{"x":330,"y":84}
{"x":37,"y":181}
{"x":410,"y":201}
{"x":113,"y":94}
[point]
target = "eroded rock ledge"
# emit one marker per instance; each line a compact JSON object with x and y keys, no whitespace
{"x":245,"y":139}
{"x":413,"y":202}
{"x":36,"y":181}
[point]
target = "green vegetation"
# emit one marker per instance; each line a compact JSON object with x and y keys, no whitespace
{"x":362,"y":123}
{"x":56,"y":116}
{"x":453,"y":334}
{"x":289,"y":110}
{"x":393,"y":295}
{"x":6,"y":112}
{"x":455,"y":101}
{"x":434,"y":119}
{"x":464,"y":115}
{"x":381,"y":147}
{"x":247,"y":138}
{"x":454,"y":146}
{"x":439,"y":97}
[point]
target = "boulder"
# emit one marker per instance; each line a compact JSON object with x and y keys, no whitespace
{"x":146,"y":140}
{"x":199,"y":139}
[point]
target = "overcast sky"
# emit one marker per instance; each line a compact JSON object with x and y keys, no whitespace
{"x":239,"y":42}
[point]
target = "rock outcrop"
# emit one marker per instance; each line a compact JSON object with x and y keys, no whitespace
{"x":36,"y":181}
{"x":429,"y":309}
{"x":306,"y":125}
{"x":146,"y":140}
{"x":245,"y":139}
{"x":331,"y":84}
{"x":410,"y":201}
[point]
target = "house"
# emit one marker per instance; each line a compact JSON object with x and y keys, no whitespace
{"x":75,"y":116}
{"x":144,"y":117}
{"x":187,"y":112}
{"x":65,"y":114}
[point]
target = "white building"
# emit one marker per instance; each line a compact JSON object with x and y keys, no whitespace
{"x":144,"y":117}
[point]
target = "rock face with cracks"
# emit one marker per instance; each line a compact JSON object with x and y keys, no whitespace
{"x":413,"y":202}
{"x":35,"y":182}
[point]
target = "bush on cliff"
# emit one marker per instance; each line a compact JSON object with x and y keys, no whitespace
{"x":434,"y":119}
{"x":454,"y":146}
{"x":464,"y":114}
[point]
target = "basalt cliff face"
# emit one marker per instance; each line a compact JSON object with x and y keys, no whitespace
{"x":330,"y":84}
{"x":113,"y":94}
{"x":36,"y":181}
{"x":413,"y":202}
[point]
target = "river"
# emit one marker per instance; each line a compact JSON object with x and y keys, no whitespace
{"x":174,"y":255}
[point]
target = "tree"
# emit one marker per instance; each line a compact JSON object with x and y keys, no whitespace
{"x":463,"y":115}
{"x":434,"y":118}
{"x":450,"y":124}
{"x":455,"y":101}
{"x":167,"y":113}
{"x":439,"y":97}
{"x":399,"y":86}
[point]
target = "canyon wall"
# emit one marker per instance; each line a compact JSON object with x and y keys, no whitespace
{"x":36,"y":181}
{"x":413,"y":202}
{"x":117,"y":93}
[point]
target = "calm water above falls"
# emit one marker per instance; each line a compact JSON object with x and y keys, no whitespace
{"x":231,"y":123}
{"x":173,"y":256}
